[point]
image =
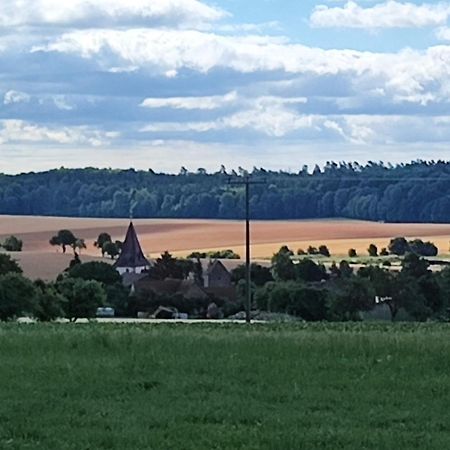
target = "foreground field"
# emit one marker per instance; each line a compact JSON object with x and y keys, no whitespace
{"x":181,"y":237}
{"x":224,"y":387}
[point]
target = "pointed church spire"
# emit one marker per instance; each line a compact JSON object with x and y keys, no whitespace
{"x":131,"y":258}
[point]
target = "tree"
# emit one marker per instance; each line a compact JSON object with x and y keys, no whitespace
{"x":312,"y":250}
{"x":423,"y":248}
{"x":323,"y":250}
{"x":296,"y":299}
{"x":12,"y":244}
{"x":8,"y":265}
{"x":17,"y":296}
{"x":101,"y":241}
{"x":308,"y":271}
{"x":49,"y":303}
{"x":96,"y":270}
{"x":398,"y":246}
{"x":166,"y":266}
{"x":111,"y":249}
{"x":286,"y":250}
{"x":414,"y":266}
{"x":372,"y":250}
{"x":79,"y":245}
{"x":384,"y":252}
{"x":352,"y":253}
{"x":282,"y":265}
{"x":345,"y":270}
{"x":355,"y":295}
{"x":63,"y":239}
{"x":260,"y":275}
{"x":83,"y":297}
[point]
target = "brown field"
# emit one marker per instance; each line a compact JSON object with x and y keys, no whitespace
{"x":181,"y":237}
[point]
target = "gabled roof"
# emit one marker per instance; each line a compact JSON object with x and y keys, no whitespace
{"x":131,"y":254}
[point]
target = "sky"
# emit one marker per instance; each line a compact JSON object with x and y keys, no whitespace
{"x":268,"y":83}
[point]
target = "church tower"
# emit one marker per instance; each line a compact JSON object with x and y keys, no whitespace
{"x":131,"y":259}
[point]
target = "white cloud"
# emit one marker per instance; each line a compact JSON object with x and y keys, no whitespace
{"x":220,"y":101}
{"x":390,"y":14}
{"x":207,"y":102}
{"x":406,"y":76}
{"x":95,"y":13}
{"x":19,"y":131}
{"x":62,"y":103}
{"x":12,"y":97}
{"x":443,"y":33}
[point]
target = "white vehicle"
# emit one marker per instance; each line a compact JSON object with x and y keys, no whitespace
{"x":105,"y":312}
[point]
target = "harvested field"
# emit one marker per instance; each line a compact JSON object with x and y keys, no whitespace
{"x":184,"y":236}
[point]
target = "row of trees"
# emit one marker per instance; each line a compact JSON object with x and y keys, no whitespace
{"x":302,"y":288}
{"x":71,"y":296}
{"x":310,"y":291}
{"x":415,"y":192}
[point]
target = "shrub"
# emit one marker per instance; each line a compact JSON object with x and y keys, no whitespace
{"x":96,"y":270}
{"x":83,"y":297}
{"x":17,"y":296}
{"x":8,"y":265}
{"x":372,"y":250}
{"x":352,"y":253}
{"x":49,"y":303}
{"x":12,"y":244}
{"x":323,"y":250}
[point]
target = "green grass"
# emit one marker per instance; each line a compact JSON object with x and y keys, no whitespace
{"x":357,"y":386}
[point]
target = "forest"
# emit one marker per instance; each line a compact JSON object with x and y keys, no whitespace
{"x":413,"y":192}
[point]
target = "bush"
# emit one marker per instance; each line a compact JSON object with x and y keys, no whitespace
{"x":12,"y":244}
{"x":323,"y":250}
{"x":17,"y":296}
{"x":398,"y":246}
{"x":8,"y":265}
{"x":296,"y":299}
{"x":352,"y":253}
{"x":83,"y":297}
{"x":49,"y":303}
{"x":96,"y":270}
{"x":220,"y":254}
{"x":372,"y":250}
{"x":308,"y":271}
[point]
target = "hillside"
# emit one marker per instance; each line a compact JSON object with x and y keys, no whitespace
{"x":182,"y":236}
{"x":415,"y":192}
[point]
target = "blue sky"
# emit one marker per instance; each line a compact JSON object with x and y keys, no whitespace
{"x":166,"y":83}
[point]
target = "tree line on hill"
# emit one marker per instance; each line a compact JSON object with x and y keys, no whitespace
{"x":414,"y":192}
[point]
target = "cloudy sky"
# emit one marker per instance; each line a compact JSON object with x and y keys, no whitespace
{"x":273,"y":83}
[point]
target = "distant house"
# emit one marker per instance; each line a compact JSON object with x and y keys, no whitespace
{"x":216,"y":275}
{"x":131,"y":259}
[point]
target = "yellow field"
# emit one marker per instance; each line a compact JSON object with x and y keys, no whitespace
{"x":181,"y":237}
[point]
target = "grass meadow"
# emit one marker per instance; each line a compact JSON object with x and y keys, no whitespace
{"x":169,"y":386}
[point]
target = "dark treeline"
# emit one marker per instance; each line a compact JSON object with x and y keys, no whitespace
{"x":414,"y":192}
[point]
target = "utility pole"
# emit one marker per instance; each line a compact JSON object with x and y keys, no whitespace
{"x":247,"y":181}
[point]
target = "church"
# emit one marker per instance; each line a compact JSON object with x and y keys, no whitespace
{"x":134,"y":268}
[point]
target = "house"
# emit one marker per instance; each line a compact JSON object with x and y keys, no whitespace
{"x":216,"y":275}
{"x":131,"y":259}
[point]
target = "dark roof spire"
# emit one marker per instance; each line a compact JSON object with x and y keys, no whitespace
{"x":131,"y":255}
